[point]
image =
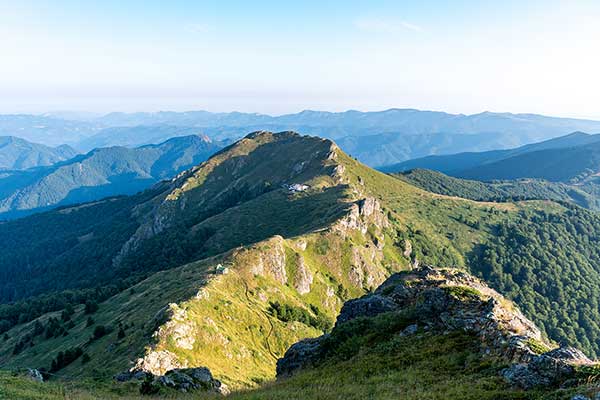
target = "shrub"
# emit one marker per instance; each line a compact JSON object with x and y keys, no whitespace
{"x":99,"y":331}
{"x":289,"y":313}
{"x":66,"y":358}
{"x":91,"y":307}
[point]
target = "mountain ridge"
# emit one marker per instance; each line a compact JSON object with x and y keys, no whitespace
{"x":19,"y":154}
{"x":102,"y":172}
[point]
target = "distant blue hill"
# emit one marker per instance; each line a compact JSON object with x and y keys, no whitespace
{"x":100,"y":173}
{"x":559,"y":159}
{"x":376,"y":138}
{"x":18,"y":154}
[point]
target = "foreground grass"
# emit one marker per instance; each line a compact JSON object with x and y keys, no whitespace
{"x":425,"y":366}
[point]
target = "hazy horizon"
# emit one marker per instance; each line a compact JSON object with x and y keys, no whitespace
{"x":88,"y":114}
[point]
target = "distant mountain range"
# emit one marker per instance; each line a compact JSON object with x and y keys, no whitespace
{"x":571,"y":158}
{"x":135,"y":136}
{"x":376,"y":138}
{"x":100,"y":173}
{"x":17,"y":154}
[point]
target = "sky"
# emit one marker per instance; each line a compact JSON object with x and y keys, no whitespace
{"x":278,"y":57}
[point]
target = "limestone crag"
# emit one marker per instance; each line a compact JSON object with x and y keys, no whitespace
{"x":445,"y":300}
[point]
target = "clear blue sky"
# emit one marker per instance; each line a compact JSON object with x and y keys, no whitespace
{"x":275,"y":57}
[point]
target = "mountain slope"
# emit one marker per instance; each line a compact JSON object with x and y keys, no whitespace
{"x":17,"y":154}
{"x":499,"y":191}
{"x":226,"y":265}
{"x":99,"y":173}
{"x":569,"y":164}
{"x":426,"y":333}
{"x":454,"y":164}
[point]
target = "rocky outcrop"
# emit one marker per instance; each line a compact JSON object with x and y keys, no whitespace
{"x":444,"y":300}
{"x":367,"y":306}
{"x":300,"y":355}
{"x":271,"y":260}
{"x":185,"y":380}
{"x":304,"y":278}
{"x":180,"y":379}
{"x":158,"y":362}
{"x":362,"y":213}
{"x":179,"y":327}
{"x":548,"y":369}
{"x":35,"y":375}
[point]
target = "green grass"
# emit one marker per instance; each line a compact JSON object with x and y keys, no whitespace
{"x":423,"y":366}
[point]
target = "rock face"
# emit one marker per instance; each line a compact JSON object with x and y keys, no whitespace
{"x":444,"y":300}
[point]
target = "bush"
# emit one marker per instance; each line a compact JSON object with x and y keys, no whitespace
{"x":91,"y":307}
{"x":66,"y":358}
{"x":99,"y":331}
{"x":289,"y":313}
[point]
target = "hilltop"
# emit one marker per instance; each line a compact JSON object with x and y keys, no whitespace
{"x":19,"y":154}
{"x":229,"y":263}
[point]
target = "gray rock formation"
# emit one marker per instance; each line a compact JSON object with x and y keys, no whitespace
{"x":443,"y":300}
{"x":550,"y":368}
{"x":180,"y":379}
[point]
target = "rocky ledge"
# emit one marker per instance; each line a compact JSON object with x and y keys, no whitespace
{"x":444,"y":300}
{"x":180,"y":379}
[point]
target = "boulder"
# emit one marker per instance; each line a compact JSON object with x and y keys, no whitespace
{"x":547,"y":369}
{"x":367,"y":306}
{"x":300,"y":355}
{"x":184,"y":380}
{"x":35,"y":375}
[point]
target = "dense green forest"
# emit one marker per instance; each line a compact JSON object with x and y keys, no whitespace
{"x":501,"y":191}
{"x":550,"y":265}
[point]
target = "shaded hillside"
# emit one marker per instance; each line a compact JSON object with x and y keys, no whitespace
{"x":499,"y":191}
{"x":100,"y":173}
{"x":17,"y":154}
{"x":456,"y":164}
{"x":387,"y":148}
{"x":572,"y":164}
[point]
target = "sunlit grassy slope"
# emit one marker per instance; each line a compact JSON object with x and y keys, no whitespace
{"x":226,"y":321}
